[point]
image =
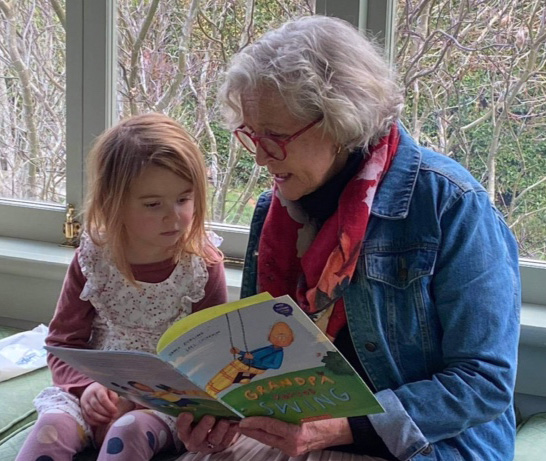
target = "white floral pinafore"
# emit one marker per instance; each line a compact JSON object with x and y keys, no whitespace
{"x":128,"y":317}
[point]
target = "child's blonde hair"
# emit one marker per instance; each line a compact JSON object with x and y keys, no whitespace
{"x":119,"y":156}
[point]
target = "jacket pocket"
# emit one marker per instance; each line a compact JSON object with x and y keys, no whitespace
{"x":400,"y":267}
{"x":399,"y":282}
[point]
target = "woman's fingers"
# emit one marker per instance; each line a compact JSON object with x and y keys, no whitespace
{"x":194,"y":436}
{"x":218,"y":433}
{"x":296,"y":440}
{"x":207,"y":436}
{"x":183,"y":427}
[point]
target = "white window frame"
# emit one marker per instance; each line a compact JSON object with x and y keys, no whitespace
{"x":90,"y":108}
{"x":90,"y":54}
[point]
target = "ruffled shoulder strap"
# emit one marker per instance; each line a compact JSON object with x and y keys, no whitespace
{"x":95,"y":265}
{"x":190,"y":277}
{"x":192,"y":274}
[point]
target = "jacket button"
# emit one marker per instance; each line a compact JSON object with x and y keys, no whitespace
{"x":427,"y":450}
{"x":371,"y":347}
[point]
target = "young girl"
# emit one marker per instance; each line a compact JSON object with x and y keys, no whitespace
{"x":144,"y":262}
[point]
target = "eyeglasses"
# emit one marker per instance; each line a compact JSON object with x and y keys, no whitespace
{"x":272,"y":146}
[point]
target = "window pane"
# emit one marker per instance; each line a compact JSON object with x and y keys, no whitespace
{"x":32,"y":97}
{"x":476,"y":90}
{"x":170,"y":60}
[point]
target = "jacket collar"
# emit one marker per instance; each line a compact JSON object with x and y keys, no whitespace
{"x":393,"y":197}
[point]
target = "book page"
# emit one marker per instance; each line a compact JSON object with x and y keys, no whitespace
{"x":144,"y":379}
{"x":269,"y":359}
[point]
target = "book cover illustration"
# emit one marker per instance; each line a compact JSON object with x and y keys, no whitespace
{"x":145,"y":379}
{"x":266,"y":358}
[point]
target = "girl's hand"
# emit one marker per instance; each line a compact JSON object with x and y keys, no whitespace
{"x":294,"y":440}
{"x":123,"y":406}
{"x":208,"y":435}
{"x":99,"y":404}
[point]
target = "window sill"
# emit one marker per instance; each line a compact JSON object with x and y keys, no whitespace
{"x":533,"y":325}
{"x":31,"y":276}
{"x":47,"y":261}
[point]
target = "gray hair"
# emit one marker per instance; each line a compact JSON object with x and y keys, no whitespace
{"x":321,"y":66}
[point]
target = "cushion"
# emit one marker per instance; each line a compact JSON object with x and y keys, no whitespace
{"x":17,"y":413}
{"x":16,"y":395}
{"x":531,"y":439}
{"x":10,"y":446}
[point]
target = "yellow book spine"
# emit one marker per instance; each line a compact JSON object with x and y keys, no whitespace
{"x":188,"y":323}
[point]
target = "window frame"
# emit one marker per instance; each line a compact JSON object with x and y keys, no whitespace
{"x":90,"y":108}
{"x":90,"y":54}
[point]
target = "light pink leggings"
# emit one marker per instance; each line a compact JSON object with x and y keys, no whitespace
{"x":137,"y":435}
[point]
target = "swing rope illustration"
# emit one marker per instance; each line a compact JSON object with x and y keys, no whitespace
{"x":231,"y":334}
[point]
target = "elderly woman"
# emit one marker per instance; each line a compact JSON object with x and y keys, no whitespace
{"x":394,"y":250}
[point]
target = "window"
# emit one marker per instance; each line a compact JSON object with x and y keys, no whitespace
{"x":175,"y":66}
{"x":33,"y":101}
{"x":476,"y":90}
{"x":155,"y":56}
{"x":32,"y":94}
{"x":86,"y":87}
{"x":170,"y":70}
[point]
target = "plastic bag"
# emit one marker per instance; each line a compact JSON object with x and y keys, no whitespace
{"x":22,"y":352}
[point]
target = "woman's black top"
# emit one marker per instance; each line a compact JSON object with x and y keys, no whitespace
{"x":320,"y":205}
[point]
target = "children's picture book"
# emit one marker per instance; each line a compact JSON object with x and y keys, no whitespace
{"x":259,"y":356}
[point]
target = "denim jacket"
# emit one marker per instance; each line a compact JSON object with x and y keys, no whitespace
{"x":433,"y":310}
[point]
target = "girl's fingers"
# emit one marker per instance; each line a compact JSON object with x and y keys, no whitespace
{"x":106,"y":402}
{"x":94,"y":418}
{"x":97,"y":407}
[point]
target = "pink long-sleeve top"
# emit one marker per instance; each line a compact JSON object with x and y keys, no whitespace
{"x":72,"y":322}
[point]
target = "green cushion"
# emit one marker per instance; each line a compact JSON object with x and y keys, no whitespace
{"x":17,"y":414}
{"x":531,"y":439}
{"x":7,"y":331}
{"x":10,"y":446}
{"x":16,"y":395}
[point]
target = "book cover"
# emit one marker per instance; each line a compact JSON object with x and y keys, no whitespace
{"x":260,"y":356}
{"x":144,"y":379}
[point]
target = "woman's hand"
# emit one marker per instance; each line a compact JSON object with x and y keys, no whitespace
{"x":294,"y":440}
{"x":99,"y":404}
{"x":208,"y":435}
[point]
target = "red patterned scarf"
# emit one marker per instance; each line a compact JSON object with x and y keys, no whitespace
{"x":314,"y":268}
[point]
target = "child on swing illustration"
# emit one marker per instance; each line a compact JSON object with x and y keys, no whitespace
{"x":255,"y":362}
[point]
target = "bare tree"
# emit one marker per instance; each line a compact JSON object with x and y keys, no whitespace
{"x":14,"y":45}
{"x":32,"y":89}
{"x":473,"y":71}
{"x":175,"y":65}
